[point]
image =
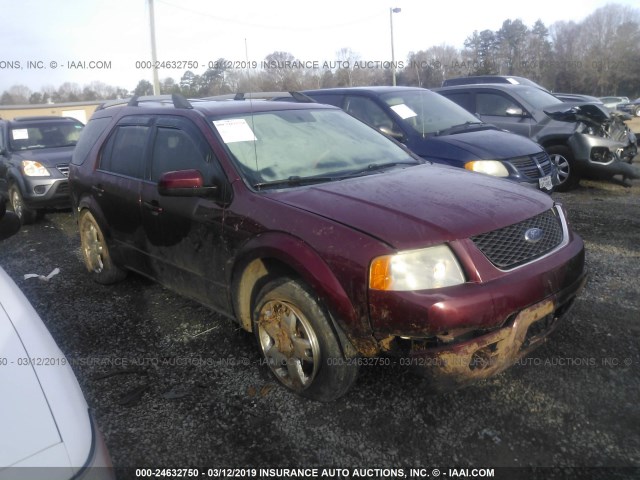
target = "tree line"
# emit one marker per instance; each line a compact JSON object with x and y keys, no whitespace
{"x":597,"y":56}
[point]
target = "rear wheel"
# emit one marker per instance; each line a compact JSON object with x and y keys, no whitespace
{"x":95,"y":251}
{"x":563,"y":159}
{"x":298,"y":342}
{"x":25,"y":214}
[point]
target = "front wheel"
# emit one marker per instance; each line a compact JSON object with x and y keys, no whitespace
{"x":95,"y":251}
{"x":563,"y":159}
{"x":24,"y":213}
{"x":298,"y":342}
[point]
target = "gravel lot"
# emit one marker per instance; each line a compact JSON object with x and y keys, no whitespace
{"x":174,"y":385}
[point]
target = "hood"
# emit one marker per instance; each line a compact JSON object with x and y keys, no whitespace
{"x":418,"y":206}
{"x":485,"y":144}
{"x":577,"y":111}
{"x":23,"y":406}
{"x":49,"y":157}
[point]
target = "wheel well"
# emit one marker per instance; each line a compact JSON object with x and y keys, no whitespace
{"x":555,"y":143}
{"x":248,"y":282}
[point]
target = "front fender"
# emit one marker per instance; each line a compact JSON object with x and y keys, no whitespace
{"x":280,"y":248}
{"x":15,"y":176}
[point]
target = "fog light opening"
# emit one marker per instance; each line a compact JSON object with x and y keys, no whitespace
{"x":40,"y":189}
{"x":482,"y":358}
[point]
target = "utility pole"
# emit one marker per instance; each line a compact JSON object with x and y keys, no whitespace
{"x":393,"y":56}
{"x":154,"y":57}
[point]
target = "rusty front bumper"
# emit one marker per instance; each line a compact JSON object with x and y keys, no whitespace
{"x":450,"y":367}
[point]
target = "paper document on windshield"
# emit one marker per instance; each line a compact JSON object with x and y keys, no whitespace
{"x":234,"y":130}
{"x":404,"y":111}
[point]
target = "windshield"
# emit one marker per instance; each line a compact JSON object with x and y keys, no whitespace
{"x":294,"y":145}
{"x":44,"y":135}
{"x":536,"y":98}
{"x":427,"y":112}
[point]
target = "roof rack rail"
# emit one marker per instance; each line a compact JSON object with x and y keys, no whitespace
{"x":297,"y":96}
{"x":176,"y":99}
{"x":38,"y":117}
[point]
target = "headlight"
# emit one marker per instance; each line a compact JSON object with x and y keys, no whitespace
{"x":32,"y":168}
{"x":490,"y":167}
{"x":432,"y":267}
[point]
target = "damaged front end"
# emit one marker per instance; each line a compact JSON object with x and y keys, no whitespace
{"x":458,"y":359}
{"x":602,"y":144}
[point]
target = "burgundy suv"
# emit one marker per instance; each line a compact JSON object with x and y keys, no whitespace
{"x":327,"y":240}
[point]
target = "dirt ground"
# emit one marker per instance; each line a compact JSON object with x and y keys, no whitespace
{"x":172,"y":384}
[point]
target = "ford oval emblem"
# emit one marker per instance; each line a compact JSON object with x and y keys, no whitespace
{"x":533,"y":235}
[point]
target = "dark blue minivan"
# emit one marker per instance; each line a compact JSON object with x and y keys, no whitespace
{"x":439,"y":130}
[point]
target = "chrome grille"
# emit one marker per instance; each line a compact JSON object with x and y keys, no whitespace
{"x":63,"y":168}
{"x":534,"y":166}
{"x":509,"y":247}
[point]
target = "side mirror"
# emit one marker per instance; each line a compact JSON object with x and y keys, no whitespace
{"x":514,"y":112}
{"x":184,"y":183}
{"x":392,"y":133}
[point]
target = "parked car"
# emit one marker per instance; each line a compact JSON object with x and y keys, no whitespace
{"x":326,"y":239}
{"x":48,"y":431}
{"x":632,"y":108}
{"x":583,"y":139}
{"x":440,"y":131}
{"x":612,"y":102}
{"x":34,"y":161}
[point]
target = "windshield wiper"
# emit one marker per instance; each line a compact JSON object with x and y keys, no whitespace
{"x":461,"y":126}
{"x":293,"y":181}
{"x":373,"y":167}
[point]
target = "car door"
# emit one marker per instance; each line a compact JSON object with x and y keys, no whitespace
{"x":503,"y":111}
{"x":116,"y":189}
{"x":183,"y":234}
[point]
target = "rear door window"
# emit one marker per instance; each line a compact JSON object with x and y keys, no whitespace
{"x":124,"y":151}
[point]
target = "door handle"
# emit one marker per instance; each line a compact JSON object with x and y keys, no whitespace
{"x":98,"y":189}
{"x":154,"y":206}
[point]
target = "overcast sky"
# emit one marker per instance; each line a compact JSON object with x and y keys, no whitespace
{"x":53,"y":33}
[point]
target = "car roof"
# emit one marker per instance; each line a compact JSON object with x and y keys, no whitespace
{"x":499,"y":86}
{"x":208,"y":107}
{"x":374,"y":90}
{"x":39,"y":119}
{"x":483,"y":79}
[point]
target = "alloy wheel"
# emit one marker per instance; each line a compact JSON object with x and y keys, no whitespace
{"x":92,"y":247}
{"x":289,"y":343}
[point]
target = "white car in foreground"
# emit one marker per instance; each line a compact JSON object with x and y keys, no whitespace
{"x":46,"y":429}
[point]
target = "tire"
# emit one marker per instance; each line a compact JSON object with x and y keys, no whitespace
{"x":637,"y":113}
{"x":563,"y":159}
{"x":297,"y":341}
{"x":25,"y":214}
{"x":95,"y":251}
